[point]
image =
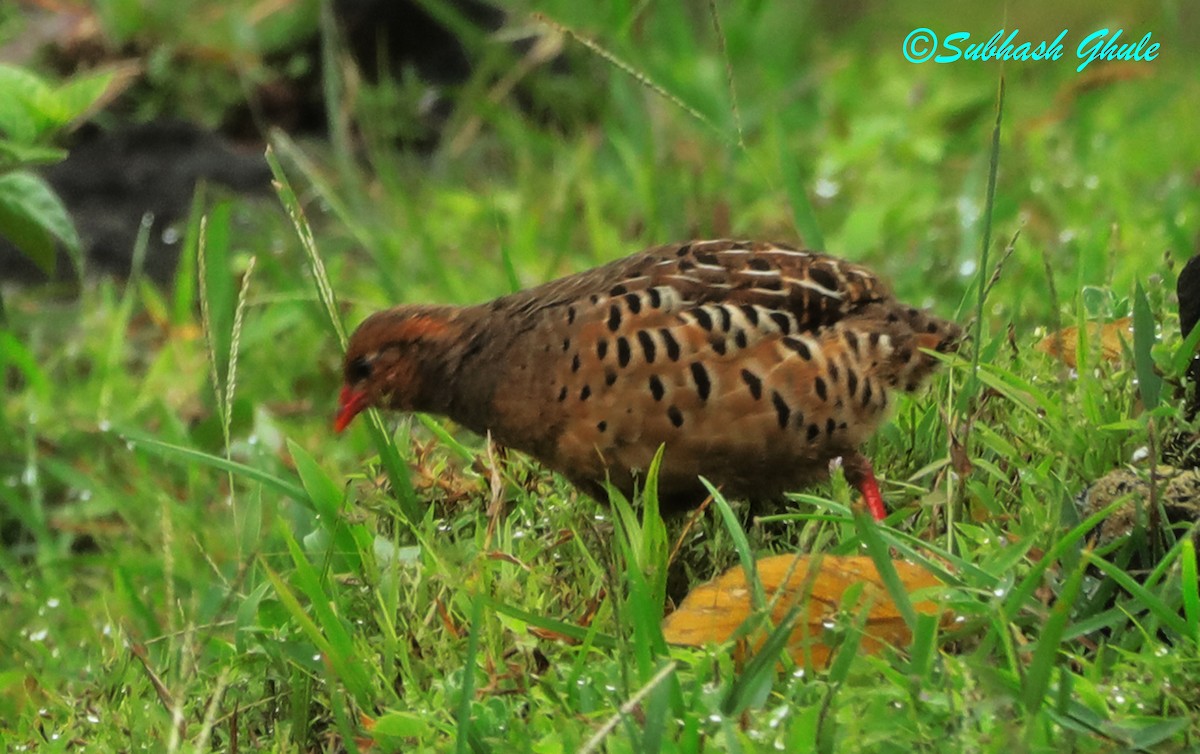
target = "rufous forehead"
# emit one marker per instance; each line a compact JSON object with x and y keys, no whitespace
{"x":383,"y":328}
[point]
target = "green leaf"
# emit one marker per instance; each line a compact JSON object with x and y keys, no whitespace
{"x":267,"y":479}
{"x":1190,"y":588}
{"x":1149,"y":382}
{"x":32,"y":217}
{"x":14,"y":155}
{"x":76,"y":97}
{"x":393,"y":725}
{"x":18,"y":110}
{"x":1045,"y":655}
{"x":878,"y":550}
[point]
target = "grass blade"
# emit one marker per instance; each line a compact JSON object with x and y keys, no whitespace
{"x":1144,"y":337}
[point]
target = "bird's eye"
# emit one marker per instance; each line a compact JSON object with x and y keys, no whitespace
{"x":358,"y":369}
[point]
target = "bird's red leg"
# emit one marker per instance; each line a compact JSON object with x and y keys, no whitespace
{"x":860,"y":473}
{"x":870,"y":492}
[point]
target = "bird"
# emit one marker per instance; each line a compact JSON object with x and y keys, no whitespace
{"x":752,"y":364}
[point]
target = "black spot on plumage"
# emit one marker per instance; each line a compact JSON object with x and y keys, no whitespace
{"x":647,"y":342}
{"x":813,"y":432}
{"x":866,"y":396}
{"x":700,"y":377}
{"x":726,"y":318}
{"x":614,"y":318}
{"x":852,"y":381}
{"x":602,"y":348}
{"x":833,"y":371}
{"x":932,"y":327}
{"x":670,"y":344}
{"x":782,"y":411}
{"x":753,"y":382}
{"x":706,"y":257}
{"x":783,"y":321}
{"x":703,"y":318}
{"x":594,"y":298}
{"x":852,"y":340}
{"x":623,"y":352}
{"x":719,"y":347}
{"x":799,"y":346}
{"x":610,"y":377}
{"x":873,"y":339}
{"x":656,"y":387}
{"x":687,"y":265}
{"x":758,"y":263}
{"x":562,"y":394}
{"x":575,"y":363}
{"x":819,"y":384}
{"x":618,"y":290}
{"x":751,"y":313}
{"x":602,"y":426}
{"x":655,"y":298}
{"x":570,"y":315}
{"x":892,"y":317}
{"x":675,"y":415}
{"x":773,"y":284}
{"x":823,"y":277}
{"x":682,"y":251}
{"x":634,"y":302}
{"x":830,"y":425}
{"x":739,"y":339}
{"x":585,"y":393}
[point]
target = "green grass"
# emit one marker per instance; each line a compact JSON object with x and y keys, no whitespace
{"x":193,"y":560}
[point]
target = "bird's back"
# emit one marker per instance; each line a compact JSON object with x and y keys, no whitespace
{"x":753,"y":364}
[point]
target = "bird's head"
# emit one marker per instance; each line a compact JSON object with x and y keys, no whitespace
{"x":388,"y":359}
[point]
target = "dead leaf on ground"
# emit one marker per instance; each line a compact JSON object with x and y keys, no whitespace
{"x":1062,"y":345}
{"x":712,"y":612}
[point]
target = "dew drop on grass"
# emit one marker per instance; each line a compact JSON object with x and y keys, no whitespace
{"x":92,"y":718}
{"x":967,"y":268}
{"x":53,"y":602}
{"x":39,"y":635}
{"x":999,"y":591}
{"x":104,"y":426}
{"x":829,"y":624}
{"x":798,"y":673}
{"x":170,"y":235}
{"x":826,"y":188}
{"x":715,"y":718}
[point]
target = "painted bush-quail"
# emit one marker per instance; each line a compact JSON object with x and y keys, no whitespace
{"x":755,"y":364}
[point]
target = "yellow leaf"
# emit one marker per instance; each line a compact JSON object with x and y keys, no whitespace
{"x":1110,"y":334}
{"x":712,"y":612}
